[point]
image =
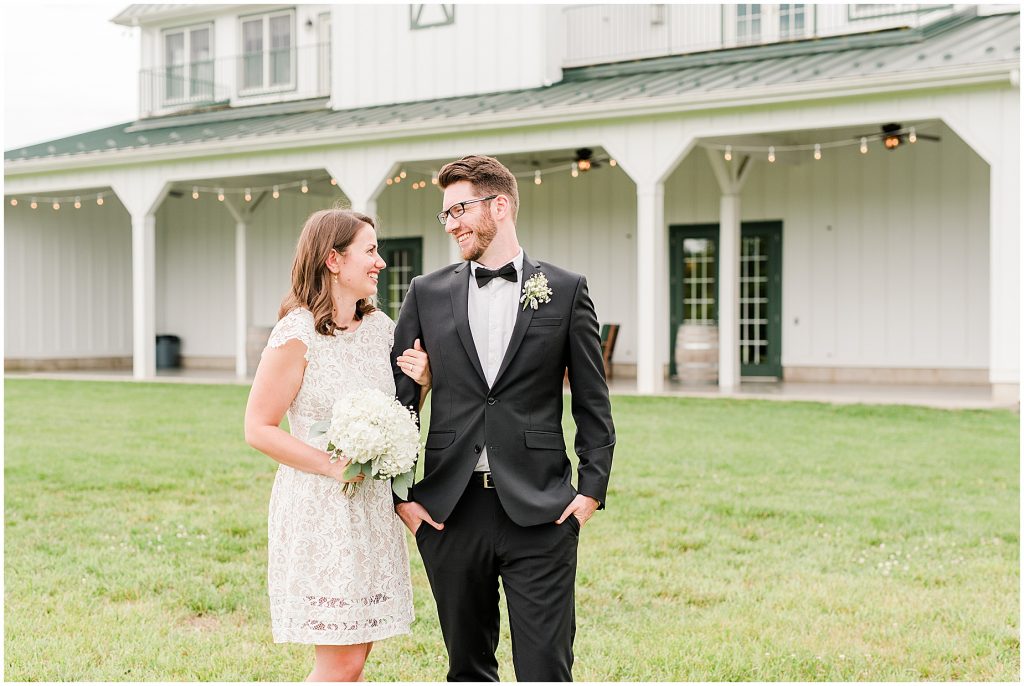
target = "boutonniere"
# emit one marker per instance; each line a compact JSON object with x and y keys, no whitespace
{"x":536,"y":291}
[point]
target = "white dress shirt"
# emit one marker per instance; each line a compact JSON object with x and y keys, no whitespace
{"x":492,"y":316}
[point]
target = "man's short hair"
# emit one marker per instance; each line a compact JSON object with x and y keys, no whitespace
{"x":488,"y":176}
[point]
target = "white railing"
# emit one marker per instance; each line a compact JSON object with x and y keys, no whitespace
{"x":596,"y":34}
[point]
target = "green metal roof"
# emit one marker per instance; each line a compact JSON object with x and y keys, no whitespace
{"x":961,"y":40}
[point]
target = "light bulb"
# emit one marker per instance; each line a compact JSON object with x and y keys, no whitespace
{"x":864,"y":146}
{"x":99,"y":200}
{"x":612,"y":163}
{"x":305,"y":187}
{"x":334,"y":181}
{"x":14,"y":202}
{"x":248,"y":195}
{"x":277,"y":193}
{"x":195,"y":192}
{"x":575,"y":170}
{"x":402,"y":173}
{"x":34,"y":204}
{"x":817,"y":151}
{"x":728,"y":153}
{"x":78,"y":202}
{"x":771,"y":153}
{"x":390,"y":181}
{"x":536,"y":177}
{"x":56,"y":205}
{"x":220,"y":195}
{"x":913,"y":135}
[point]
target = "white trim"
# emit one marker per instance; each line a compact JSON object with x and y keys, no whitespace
{"x":995,"y":73}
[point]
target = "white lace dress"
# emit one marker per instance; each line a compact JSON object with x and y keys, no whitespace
{"x":338,"y":565}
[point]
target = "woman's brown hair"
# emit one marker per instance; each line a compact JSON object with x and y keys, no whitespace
{"x":311,"y":280}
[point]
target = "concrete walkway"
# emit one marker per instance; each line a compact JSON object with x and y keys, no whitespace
{"x":946,"y":397}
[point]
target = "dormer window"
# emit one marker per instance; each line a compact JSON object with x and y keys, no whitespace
{"x":268,"y":52}
{"x":188,"y":64}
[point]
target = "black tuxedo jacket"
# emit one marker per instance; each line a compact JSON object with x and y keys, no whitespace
{"x":519,"y":418}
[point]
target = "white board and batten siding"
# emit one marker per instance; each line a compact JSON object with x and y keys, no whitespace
{"x":67,"y":281}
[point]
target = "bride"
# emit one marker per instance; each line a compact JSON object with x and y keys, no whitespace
{"x":338,"y":565}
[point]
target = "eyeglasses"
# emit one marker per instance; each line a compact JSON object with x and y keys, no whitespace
{"x":459,"y":209}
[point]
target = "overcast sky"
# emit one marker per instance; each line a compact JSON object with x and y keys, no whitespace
{"x":67,"y":69}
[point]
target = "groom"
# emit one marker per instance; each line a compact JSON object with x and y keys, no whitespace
{"x":496,"y":498}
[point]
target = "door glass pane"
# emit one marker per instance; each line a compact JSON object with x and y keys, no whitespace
{"x":754,"y":301}
{"x":174,"y":66}
{"x":201,"y":64}
{"x":280,"y":50}
{"x":399,"y":273}
{"x":252,"y":54}
{"x":699,"y":283}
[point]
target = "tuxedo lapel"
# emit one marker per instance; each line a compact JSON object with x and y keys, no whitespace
{"x":523,"y":319}
{"x":459,"y":289}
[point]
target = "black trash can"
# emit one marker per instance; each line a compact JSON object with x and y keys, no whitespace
{"x":168,"y":352}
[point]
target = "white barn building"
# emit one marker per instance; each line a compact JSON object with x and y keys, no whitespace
{"x":836,"y":187}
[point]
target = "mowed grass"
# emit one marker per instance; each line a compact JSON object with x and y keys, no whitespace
{"x":743,"y":540}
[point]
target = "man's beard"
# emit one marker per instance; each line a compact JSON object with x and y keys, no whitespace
{"x":483,"y":234}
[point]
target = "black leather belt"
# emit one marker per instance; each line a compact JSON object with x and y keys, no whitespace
{"x":484,"y":479}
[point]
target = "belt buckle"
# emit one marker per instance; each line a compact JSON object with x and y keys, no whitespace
{"x":487,"y":480}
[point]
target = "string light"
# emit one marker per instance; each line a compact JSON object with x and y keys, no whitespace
{"x":195,"y":192}
{"x":14,"y":202}
{"x":817,"y":151}
{"x":433,"y":177}
{"x":220,"y":194}
{"x":390,"y":181}
{"x":56,"y":205}
{"x":99,"y":200}
{"x":728,"y":153}
{"x":277,"y":193}
{"x":334,"y":181}
{"x":78,"y":203}
{"x":889,"y":136}
{"x":536,"y":178}
{"x":864,"y":146}
{"x":612,"y":163}
{"x":398,"y":179}
{"x":771,"y":153}
{"x":402,"y":173}
{"x":913,"y":135}
{"x":248,"y":195}
{"x":34,"y":204}
{"x":305,"y":187}
{"x":575,"y":170}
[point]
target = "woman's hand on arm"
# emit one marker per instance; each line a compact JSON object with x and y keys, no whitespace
{"x":415,"y":363}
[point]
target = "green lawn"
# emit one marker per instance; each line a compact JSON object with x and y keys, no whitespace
{"x":743,"y":540}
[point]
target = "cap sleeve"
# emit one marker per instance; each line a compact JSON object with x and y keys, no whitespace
{"x":296,"y":325}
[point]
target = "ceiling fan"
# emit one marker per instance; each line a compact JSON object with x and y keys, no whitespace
{"x":894,"y":135}
{"x":584,"y":159}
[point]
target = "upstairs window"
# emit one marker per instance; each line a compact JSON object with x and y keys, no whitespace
{"x":748,"y":23}
{"x":188,"y":64}
{"x":792,"y":21}
{"x":268,"y":52}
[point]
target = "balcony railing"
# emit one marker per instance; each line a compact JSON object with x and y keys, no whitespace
{"x":253,"y":78}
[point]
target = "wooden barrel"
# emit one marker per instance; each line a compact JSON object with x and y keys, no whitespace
{"x":697,"y":354}
{"x":255,"y":341}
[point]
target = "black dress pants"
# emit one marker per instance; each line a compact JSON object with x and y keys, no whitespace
{"x":537,"y":566}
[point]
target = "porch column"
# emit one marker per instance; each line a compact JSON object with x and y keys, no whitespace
{"x":730,"y":180}
{"x":1004,"y":276}
{"x":651,"y":256}
{"x":241,"y":300}
{"x":729,"y":291}
{"x":143,"y":295}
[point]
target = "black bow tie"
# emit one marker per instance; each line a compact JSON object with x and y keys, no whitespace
{"x":508,"y":272}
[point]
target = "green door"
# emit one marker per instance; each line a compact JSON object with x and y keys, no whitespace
{"x":405,"y":261}
{"x":693,"y":284}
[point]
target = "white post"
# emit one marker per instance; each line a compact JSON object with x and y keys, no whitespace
{"x":241,"y":301}
{"x":650,"y":252}
{"x":1004,"y":278}
{"x":729,"y":292}
{"x":143,"y":295}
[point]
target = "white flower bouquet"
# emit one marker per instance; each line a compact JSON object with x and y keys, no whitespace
{"x":377,"y":434}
